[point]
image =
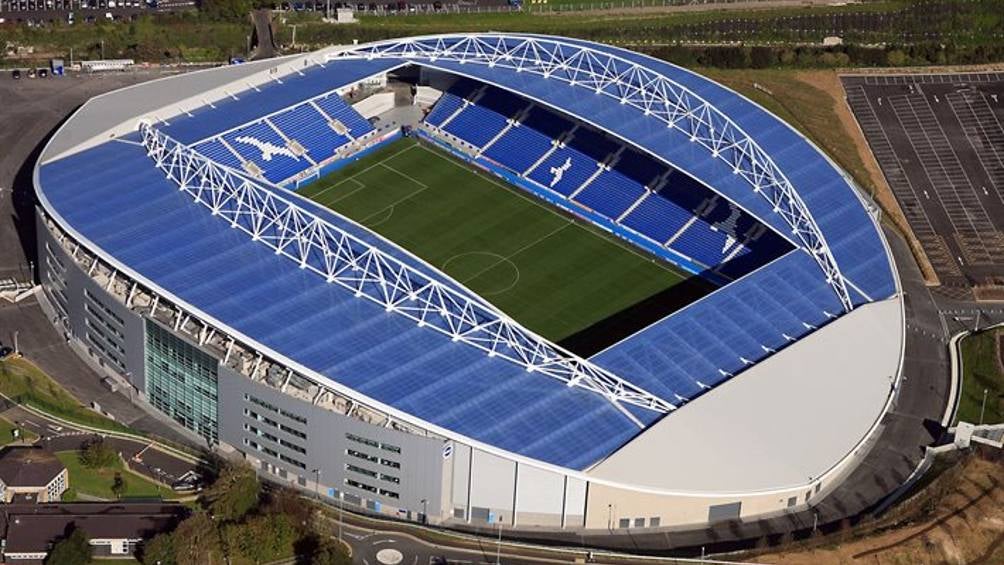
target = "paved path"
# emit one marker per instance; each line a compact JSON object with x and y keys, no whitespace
{"x":141,"y":456}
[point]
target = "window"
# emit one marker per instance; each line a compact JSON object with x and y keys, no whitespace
{"x":792,"y":501}
{"x":181,"y":381}
{"x":389,"y":463}
{"x":624,"y":523}
{"x":389,"y":493}
{"x":639,"y":522}
{"x":390,"y":479}
{"x":358,"y":485}
{"x":360,"y":470}
{"x":362,"y":440}
{"x":360,"y":455}
{"x":373,"y":443}
{"x":654,"y":522}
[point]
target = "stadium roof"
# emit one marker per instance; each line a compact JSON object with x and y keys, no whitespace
{"x":110,"y":194}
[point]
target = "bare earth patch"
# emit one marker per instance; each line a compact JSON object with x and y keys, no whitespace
{"x":958,"y":518}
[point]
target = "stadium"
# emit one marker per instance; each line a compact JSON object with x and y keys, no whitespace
{"x":526,"y":281}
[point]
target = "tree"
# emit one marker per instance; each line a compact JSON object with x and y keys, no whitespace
{"x":262,"y":538}
{"x":234,"y":493}
{"x":96,"y":453}
{"x":74,"y":549}
{"x":159,"y":550}
{"x":195,"y":540}
{"x":327,"y":551}
{"x":118,"y":486}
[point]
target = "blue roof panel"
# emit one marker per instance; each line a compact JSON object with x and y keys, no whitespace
{"x":127,"y":207}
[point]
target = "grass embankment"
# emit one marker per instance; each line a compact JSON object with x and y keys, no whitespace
{"x":24,"y":383}
{"x":98,"y":482}
{"x":981,"y":371}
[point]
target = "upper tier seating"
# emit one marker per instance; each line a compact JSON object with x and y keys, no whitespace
{"x":597,"y":172}
{"x":289,"y":142}
{"x":310,"y":129}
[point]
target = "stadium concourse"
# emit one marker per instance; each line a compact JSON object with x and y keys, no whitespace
{"x":176,"y":244}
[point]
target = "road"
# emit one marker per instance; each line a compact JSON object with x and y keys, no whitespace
{"x":141,"y":456}
{"x":31,"y":111}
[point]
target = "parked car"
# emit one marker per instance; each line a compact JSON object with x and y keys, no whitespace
{"x":15,"y":74}
{"x":43,"y":73}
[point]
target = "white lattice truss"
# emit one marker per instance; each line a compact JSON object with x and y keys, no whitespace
{"x":256,"y":208}
{"x":637,"y":86}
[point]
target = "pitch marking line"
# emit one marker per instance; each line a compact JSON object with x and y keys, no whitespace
{"x":501,"y":259}
{"x":390,"y":213}
{"x":405,"y":175}
{"x":516,"y":252}
{"x":422,"y":188}
{"x":358,"y":173}
{"x":519,"y":192}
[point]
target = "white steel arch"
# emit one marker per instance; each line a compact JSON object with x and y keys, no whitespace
{"x":256,"y":208}
{"x":637,"y":86}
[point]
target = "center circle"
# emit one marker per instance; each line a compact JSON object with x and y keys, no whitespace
{"x":389,"y":556}
{"x":485,"y":272}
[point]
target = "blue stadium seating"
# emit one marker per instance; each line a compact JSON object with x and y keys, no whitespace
{"x":703,"y":243}
{"x":574,"y":169}
{"x":311,"y":130}
{"x":610,"y":194}
{"x":337,"y":109}
{"x":657,"y":218}
{"x":519,"y":148}
{"x":446,"y":106}
{"x":217,"y":151}
{"x":476,"y":125}
{"x":261,"y":145}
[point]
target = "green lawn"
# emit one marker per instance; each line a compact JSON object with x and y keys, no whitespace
{"x":98,"y":482}
{"x":25,"y":383}
{"x":553,"y":275}
{"x":6,"y":432}
{"x":980,"y":372}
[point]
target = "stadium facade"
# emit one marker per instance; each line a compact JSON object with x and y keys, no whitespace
{"x":175,"y":252}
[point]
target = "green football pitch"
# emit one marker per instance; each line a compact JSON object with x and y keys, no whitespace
{"x":554,"y":275}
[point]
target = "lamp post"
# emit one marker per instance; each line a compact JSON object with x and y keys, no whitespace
{"x":340,"y":497}
{"x":498,"y":546}
{"x":983,"y":406}
{"x":317,"y":484}
{"x":16,"y":349}
{"x":425,"y":511}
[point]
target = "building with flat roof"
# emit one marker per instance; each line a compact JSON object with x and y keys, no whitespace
{"x":113,"y":530}
{"x":31,"y":474}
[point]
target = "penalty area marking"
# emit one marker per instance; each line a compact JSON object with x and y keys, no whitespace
{"x":390,"y":212}
{"x":496,"y":261}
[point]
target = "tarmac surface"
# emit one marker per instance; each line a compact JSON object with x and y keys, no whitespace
{"x":940,"y":144}
{"x":36,"y":106}
{"x":31,"y":111}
